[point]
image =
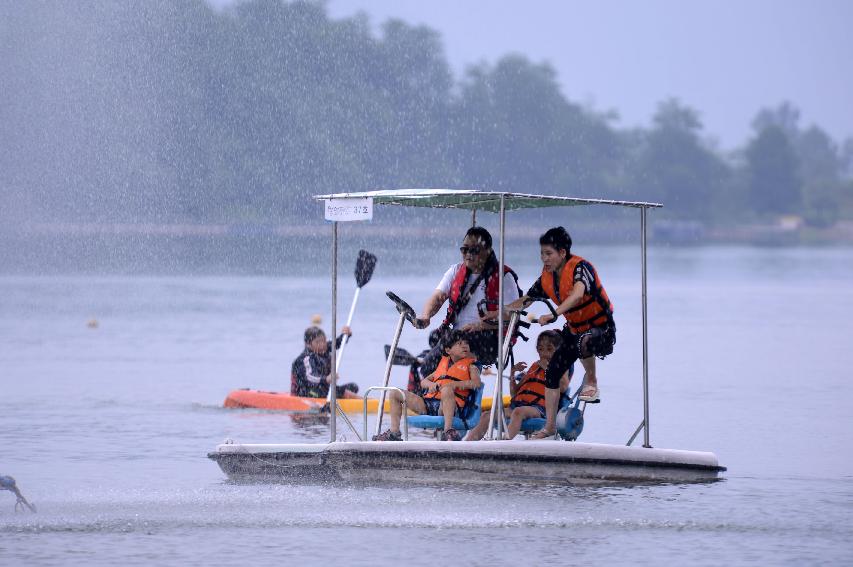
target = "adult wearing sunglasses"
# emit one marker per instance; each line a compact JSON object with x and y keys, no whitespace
{"x":471,"y":289}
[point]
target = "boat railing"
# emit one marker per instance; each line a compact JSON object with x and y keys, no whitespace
{"x":496,"y":418}
{"x":381,"y":407}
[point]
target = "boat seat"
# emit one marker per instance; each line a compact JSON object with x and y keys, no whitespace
{"x":466,"y":417}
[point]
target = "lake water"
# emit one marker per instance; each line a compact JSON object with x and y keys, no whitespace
{"x":107,"y":429}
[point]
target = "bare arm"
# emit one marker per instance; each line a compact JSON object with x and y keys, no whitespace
{"x":427,"y":383}
{"x":564,"y":382}
{"x":431,"y":307}
{"x":491,"y":317}
{"x":519,"y":303}
{"x":513,"y":385}
{"x":474,"y":382}
{"x":573,"y":299}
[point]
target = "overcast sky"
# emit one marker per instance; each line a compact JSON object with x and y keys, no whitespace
{"x":725,"y":58}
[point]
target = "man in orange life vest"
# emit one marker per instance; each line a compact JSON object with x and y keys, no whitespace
{"x":573,"y":285}
{"x":446,"y":390}
{"x":471,"y":287}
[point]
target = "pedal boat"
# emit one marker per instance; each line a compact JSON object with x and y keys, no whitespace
{"x":428,"y":462}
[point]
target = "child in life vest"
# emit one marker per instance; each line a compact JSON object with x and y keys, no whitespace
{"x":446,"y":390}
{"x":528,"y":393}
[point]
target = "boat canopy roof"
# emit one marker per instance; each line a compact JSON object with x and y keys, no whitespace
{"x":474,"y":199}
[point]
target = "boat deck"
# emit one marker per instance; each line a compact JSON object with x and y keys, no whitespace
{"x":430,"y":462}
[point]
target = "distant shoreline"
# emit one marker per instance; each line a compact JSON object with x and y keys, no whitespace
{"x":661,"y":232}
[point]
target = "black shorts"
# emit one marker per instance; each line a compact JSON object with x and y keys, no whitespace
{"x":597,"y":341}
{"x":433,"y":406}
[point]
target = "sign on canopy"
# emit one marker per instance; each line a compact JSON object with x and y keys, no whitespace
{"x":349,"y":209}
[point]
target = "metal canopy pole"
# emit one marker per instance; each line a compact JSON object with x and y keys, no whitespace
{"x":333,"y":387}
{"x":645,"y":335}
{"x":498,"y":401}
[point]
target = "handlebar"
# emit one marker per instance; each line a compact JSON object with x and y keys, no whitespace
{"x":533,"y":300}
{"x":403,"y":308}
{"x":547,"y":304}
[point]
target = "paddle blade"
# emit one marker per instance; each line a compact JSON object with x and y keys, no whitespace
{"x":364,"y":267}
{"x":401,"y":356}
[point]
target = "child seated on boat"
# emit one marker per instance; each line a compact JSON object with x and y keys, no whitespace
{"x":528,"y":394}
{"x":311,"y":372}
{"x":446,"y":390}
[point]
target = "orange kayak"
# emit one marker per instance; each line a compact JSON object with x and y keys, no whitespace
{"x":246,"y":398}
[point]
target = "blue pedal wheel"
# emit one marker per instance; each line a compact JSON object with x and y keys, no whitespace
{"x":569,"y":423}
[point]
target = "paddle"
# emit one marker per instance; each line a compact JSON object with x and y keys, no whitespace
{"x":364,"y":266}
{"x":402,"y":357}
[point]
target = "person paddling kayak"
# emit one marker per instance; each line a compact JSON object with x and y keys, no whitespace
{"x":311,"y":374}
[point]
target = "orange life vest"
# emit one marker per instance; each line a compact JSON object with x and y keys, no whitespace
{"x":531,"y":389}
{"x":446,"y":373}
{"x":593,"y":310}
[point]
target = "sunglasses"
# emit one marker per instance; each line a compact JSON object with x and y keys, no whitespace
{"x":470,"y":249}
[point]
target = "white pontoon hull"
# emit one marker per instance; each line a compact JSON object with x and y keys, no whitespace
{"x":428,"y":462}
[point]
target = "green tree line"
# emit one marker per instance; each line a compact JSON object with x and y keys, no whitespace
{"x":170,"y":111}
